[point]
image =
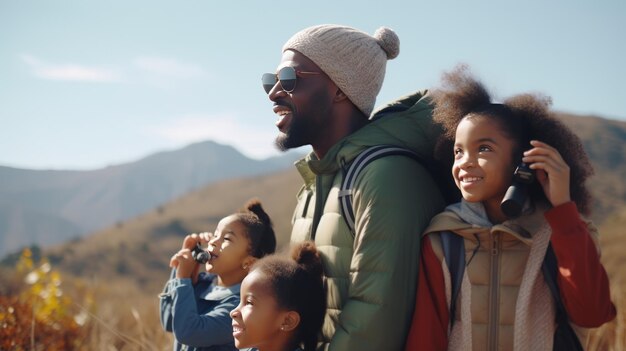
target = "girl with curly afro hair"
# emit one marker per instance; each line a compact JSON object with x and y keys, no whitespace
{"x":501,"y":300}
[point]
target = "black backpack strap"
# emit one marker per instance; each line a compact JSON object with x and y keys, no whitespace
{"x":350,"y":176}
{"x":453,"y":247}
{"x":565,"y":337}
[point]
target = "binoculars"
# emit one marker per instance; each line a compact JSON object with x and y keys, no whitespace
{"x":515,"y":197}
{"x":200,"y":255}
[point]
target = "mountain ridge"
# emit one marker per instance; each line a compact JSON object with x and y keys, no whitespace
{"x":74,"y":203}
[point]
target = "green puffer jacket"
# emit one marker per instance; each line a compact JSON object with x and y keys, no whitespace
{"x":371,"y":276}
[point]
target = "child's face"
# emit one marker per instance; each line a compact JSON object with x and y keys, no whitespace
{"x":483,"y":165}
{"x":258,"y":320}
{"x":228,"y":247}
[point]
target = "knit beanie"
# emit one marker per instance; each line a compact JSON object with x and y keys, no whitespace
{"x":354,"y":60}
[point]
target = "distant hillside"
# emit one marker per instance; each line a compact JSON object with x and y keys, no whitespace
{"x":605,"y":142}
{"x":139,"y":249}
{"x":48,"y":207}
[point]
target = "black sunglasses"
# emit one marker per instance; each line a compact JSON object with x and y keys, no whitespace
{"x":287,"y":77}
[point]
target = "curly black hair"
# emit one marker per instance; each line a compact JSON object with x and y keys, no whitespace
{"x":522,"y":117}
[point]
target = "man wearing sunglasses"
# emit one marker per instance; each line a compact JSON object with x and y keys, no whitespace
{"x":323,"y":92}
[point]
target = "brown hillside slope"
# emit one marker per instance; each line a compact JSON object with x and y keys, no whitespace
{"x":138,"y":250}
{"x":604,"y":141}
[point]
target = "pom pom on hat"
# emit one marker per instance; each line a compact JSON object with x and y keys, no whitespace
{"x":353,"y":59}
{"x":389,"y":41}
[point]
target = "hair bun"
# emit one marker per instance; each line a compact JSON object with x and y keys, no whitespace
{"x":307,"y":256}
{"x":253,"y":205}
{"x":389,"y":41}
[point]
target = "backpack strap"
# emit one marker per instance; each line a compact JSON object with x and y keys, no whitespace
{"x":565,"y":337}
{"x":350,"y":176}
{"x":453,"y":247}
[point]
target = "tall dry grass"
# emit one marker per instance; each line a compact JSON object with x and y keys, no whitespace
{"x":126,"y":319}
{"x":612,"y":335}
{"x":42,"y":310}
{"x":121,"y":314}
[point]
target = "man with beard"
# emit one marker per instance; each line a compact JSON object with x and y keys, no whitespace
{"x":324,"y":91}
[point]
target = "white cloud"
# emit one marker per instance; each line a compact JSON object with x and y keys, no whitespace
{"x":249,"y":139}
{"x":158,"y":71}
{"x":169,"y":67}
{"x":70,"y":72}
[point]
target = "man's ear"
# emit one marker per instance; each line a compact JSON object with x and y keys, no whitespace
{"x":291,"y":320}
{"x":340,"y":96}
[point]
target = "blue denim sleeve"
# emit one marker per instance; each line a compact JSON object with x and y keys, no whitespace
{"x":200,"y":330}
{"x":165,"y":303}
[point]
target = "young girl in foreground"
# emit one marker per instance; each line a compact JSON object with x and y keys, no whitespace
{"x":195,"y":305}
{"x":282,"y":303}
{"x":504,"y":303}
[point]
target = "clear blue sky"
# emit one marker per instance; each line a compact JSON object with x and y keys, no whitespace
{"x":86,"y":84}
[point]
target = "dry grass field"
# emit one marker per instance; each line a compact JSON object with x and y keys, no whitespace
{"x":612,"y":336}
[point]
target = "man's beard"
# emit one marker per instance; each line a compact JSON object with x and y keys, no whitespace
{"x":295,"y":136}
{"x":306,"y":127}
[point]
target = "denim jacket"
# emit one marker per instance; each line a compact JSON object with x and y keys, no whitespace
{"x":199,"y":316}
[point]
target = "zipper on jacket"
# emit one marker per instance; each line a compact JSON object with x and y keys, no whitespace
{"x":307,"y":202}
{"x":494,"y":294}
{"x":319,"y":206}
